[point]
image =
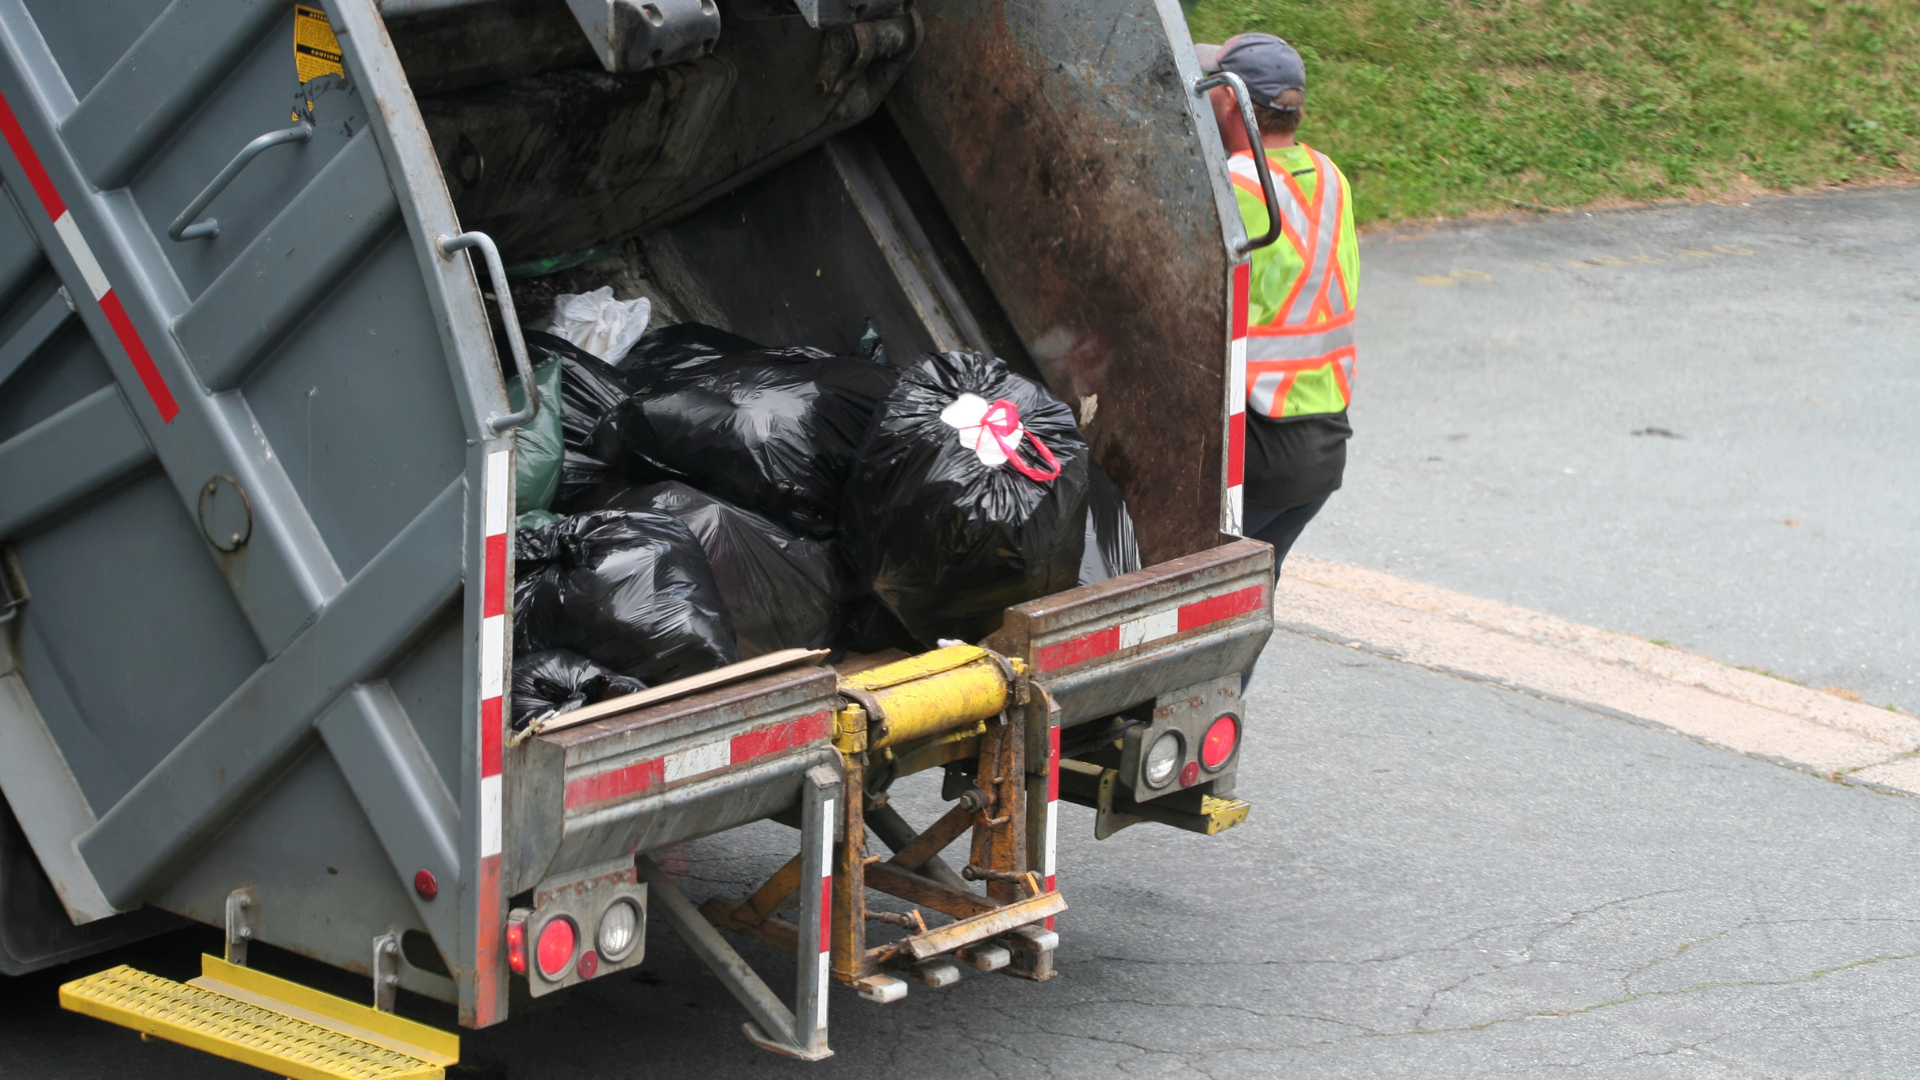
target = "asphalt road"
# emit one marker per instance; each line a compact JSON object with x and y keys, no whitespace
{"x":1769,"y":516}
{"x":1442,"y":878}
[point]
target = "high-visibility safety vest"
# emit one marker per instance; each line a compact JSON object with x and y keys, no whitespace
{"x":1300,"y":362}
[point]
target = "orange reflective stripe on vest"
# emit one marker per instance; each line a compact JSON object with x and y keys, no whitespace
{"x":1313,"y":328}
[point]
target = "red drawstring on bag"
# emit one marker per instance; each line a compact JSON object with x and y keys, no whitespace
{"x":1003,"y":419}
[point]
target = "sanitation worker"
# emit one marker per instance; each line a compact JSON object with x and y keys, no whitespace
{"x":1301,"y":300}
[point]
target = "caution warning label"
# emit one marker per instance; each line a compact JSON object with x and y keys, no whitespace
{"x":316,"y":51}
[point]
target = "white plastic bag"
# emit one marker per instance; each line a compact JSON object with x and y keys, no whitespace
{"x":598,"y":323}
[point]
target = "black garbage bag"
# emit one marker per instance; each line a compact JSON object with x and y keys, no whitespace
{"x":1111,"y":547}
{"x":589,"y":389}
{"x":773,"y":431}
{"x":942,"y":524}
{"x":630,"y":590}
{"x":665,"y":347}
{"x":779,"y":588}
{"x":559,"y":680}
{"x":866,"y":626}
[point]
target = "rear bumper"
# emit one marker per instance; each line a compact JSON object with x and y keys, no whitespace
{"x":639,"y":781}
{"x":1107,"y":647}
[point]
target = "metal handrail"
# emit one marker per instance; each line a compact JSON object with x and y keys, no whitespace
{"x":515,"y":341}
{"x":1229,"y":79}
{"x":180,"y":230}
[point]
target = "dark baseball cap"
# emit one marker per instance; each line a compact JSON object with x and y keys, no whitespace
{"x":1268,"y":65}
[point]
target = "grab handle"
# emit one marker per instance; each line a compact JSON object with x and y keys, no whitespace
{"x":498,"y":274}
{"x":180,"y":230}
{"x":1229,"y":79}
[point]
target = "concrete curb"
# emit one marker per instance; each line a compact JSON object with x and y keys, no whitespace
{"x":1615,"y":673}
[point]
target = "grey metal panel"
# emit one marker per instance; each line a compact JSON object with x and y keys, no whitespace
{"x":274,"y":284}
{"x":35,"y":774}
{"x":427,"y":683}
{"x":466,"y":344}
{"x":284,"y":573}
{"x":168,"y":72}
{"x":126,"y":645}
{"x":257,"y":96}
{"x":66,"y":457}
{"x":19,"y":251}
{"x":100,"y":774}
{"x":324,"y":886}
{"x":86,"y":38}
{"x":263,"y":726}
{"x":36,"y":933}
{"x":1089,"y":183}
{"x":35,"y":329}
{"x":61,"y":371}
{"x":359,"y":408}
{"x":285,"y":577}
{"x":401,"y":793}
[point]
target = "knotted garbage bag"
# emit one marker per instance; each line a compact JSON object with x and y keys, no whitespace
{"x":773,"y":431}
{"x":779,"y":588}
{"x":1111,"y":547}
{"x":559,"y":680}
{"x":630,"y":590}
{"x":589,"y":389}
{"x":969,"y":495}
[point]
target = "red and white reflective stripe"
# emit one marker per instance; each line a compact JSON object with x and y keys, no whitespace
{"x":826,"y":913}
{"x":696,"y":760}
{"x":490,"y":1004}
{"x":97,"y":284}
{"x":1053,"y":811}
{"x":1235,"y":509}
{"x":1149,"y":628}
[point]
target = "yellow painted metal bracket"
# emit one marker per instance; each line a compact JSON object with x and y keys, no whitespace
{"x":935,"y":692}
{"x":285,"y":1028}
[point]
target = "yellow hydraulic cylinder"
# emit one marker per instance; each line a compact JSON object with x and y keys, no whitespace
{"x":949,"y":688}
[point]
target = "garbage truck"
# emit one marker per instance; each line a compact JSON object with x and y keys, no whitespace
{"x":259,"y":269}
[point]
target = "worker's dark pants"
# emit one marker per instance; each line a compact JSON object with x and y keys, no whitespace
{"x":1281,"y":527}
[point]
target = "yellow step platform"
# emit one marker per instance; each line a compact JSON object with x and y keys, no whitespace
{"x":285,"y":1028}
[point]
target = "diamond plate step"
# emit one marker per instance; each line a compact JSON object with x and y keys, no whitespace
{"x":285,"y":1028}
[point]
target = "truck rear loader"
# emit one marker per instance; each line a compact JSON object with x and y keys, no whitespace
{"x":257,"y":503}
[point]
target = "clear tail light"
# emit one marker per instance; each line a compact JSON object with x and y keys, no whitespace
{"x":619,"y":930}
{"x":1163,"y":759}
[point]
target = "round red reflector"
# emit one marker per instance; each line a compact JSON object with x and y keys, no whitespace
{"x":1190,"y":775}
{"x":589,"y":963}
{"x":425,"y":884}
{"x":1221,"y":738}
{"x":555,"y":948}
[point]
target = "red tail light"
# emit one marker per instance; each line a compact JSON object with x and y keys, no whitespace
{"x":517,"y":946}
{"x":555,"y":947}
{"x":1221,"y":738}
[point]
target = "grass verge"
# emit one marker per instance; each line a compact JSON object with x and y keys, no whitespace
{"x":1447,"y":107}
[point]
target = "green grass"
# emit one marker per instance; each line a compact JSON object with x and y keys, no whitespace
{"x":1447,"y":107}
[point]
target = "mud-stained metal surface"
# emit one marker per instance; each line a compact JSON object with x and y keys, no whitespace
{"x":564,"y":156}
{"x":1062,"y":138}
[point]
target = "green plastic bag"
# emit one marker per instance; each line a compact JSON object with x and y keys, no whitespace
{"x":537,"y":443}
{"x":536,"y":519}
